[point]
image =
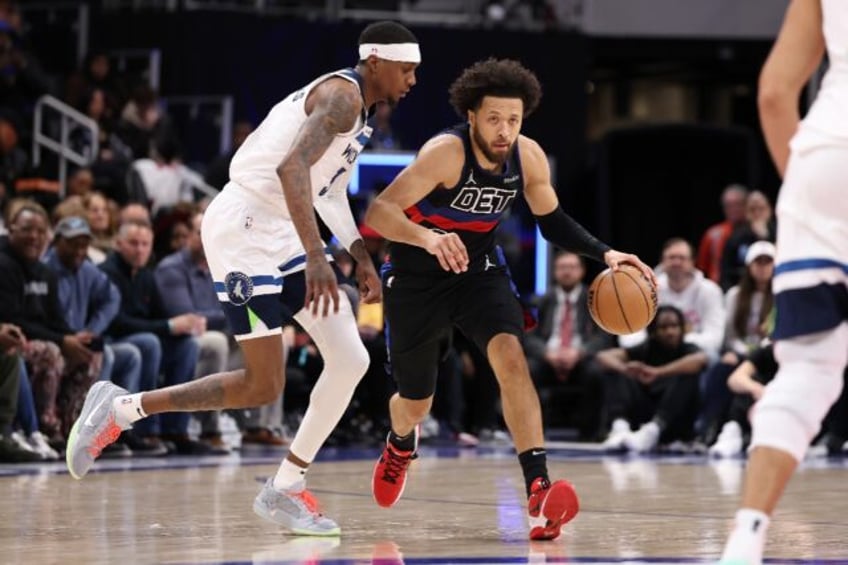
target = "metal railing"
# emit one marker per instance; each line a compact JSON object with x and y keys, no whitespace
{"x":68,"y":117}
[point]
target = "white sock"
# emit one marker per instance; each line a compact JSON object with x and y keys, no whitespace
{"x":128,"y":408}
{"x":746,"y":542}
{"x":288,"y":474}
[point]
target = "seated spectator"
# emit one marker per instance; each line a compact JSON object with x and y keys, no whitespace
{"x":134,"y":212}
{"x":13,"y":160}
{"x":98,"y":74}
{"x":11,"y":342}
{"x":166,"y":343}
{"x":90,"y":301}
{"x":748,"y":307}
{"x":715,"y":237}
{"x":80,"y":182}
{"x":653,"y":385}
{"x":171,"y":231}
{"x":62,"y":363}
{"x":186,"y":287}
{"x":27,"y":434}
{"x":71,"y":206}
{"x":141,"y":120}
{"x":749,"y":304}
{"x":161,"y":181}
{"x":101,"y":222}
{"x":561,"y":348}
{"x":748,"y":383}
{"x":109,"y":166}
{"x":759,"y":225}
{"x":700,"y":299}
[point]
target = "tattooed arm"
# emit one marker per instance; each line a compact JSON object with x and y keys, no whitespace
{"x":333,"y":108}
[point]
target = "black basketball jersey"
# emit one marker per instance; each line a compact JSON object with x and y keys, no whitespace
{"x":472,"y":209}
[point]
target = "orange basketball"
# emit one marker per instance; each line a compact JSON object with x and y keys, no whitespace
{"x":623,"y":301}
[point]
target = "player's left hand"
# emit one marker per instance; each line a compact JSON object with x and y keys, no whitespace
{"x":370,"y":287}
{"x":615,"y":258}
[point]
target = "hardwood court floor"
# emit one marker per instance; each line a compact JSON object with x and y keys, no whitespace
{"x":460,"y":507}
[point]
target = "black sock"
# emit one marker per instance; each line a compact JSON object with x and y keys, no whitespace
{"x":404,"y":443}
{"x":534,"y":464}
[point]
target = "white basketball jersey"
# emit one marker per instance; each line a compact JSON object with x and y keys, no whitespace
{"x":254,"y":166}
{"x":827,"y":120}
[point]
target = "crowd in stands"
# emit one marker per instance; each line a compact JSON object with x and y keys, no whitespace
{"x":691,"y":379}
{"x":106,"y":278}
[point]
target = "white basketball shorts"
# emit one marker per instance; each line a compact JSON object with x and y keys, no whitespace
{"x":811,"y":275}
{"x":250,"y":247}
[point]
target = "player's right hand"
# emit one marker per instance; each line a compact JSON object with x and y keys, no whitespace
{"x":615,"y":258}
{"x":449,"y":250}
{"x":320,"y":284}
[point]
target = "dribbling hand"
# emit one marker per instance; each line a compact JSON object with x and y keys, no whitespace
{"x":615,"y":258}
{"x":449,"y":250}
{"x":320,"y":284}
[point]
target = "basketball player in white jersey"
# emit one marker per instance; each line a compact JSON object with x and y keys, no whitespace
{"x":268,"y":262}
{"x":811,"y":325}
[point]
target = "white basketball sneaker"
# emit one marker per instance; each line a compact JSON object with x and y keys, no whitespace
{"x":617,"y":436}
{"x":644,"y":439}
{"x":295,"y":509}
{"x":96,"y":427}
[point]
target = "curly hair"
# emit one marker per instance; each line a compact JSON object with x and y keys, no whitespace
{"x":495,"y":77}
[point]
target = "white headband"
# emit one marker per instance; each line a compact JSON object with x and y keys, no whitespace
{"x":403,"y":52}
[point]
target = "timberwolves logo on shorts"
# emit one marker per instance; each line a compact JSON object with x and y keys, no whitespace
{"x":239,"y":287}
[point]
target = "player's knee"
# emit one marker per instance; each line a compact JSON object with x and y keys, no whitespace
{"x":416,"y":410}
{"x":790,"y":413}
{"x":351,"y":361}
{"x":261,"y":389}
{"x":354,"y":360}
{"x":508,"y":361}
{"x":269,"y":394}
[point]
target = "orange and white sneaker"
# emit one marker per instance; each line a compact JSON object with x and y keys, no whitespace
{"x":550,"y":507}
{"x":389,"y":478}
{"x":95,"y":428}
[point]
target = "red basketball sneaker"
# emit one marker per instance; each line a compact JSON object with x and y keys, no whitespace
{"x":389,"y":477}
{"x":550,"y":506}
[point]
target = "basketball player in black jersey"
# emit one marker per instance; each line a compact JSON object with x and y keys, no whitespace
{"x":445,"y":271}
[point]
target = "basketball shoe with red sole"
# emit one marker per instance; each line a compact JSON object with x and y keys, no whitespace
{"x":550,"y":506}
{"x":389,"y":478}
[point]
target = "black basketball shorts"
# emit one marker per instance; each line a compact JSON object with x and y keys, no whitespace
{"x":421,"y":312}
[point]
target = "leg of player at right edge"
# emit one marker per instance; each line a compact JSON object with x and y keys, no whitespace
{"x":785,"y":421}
